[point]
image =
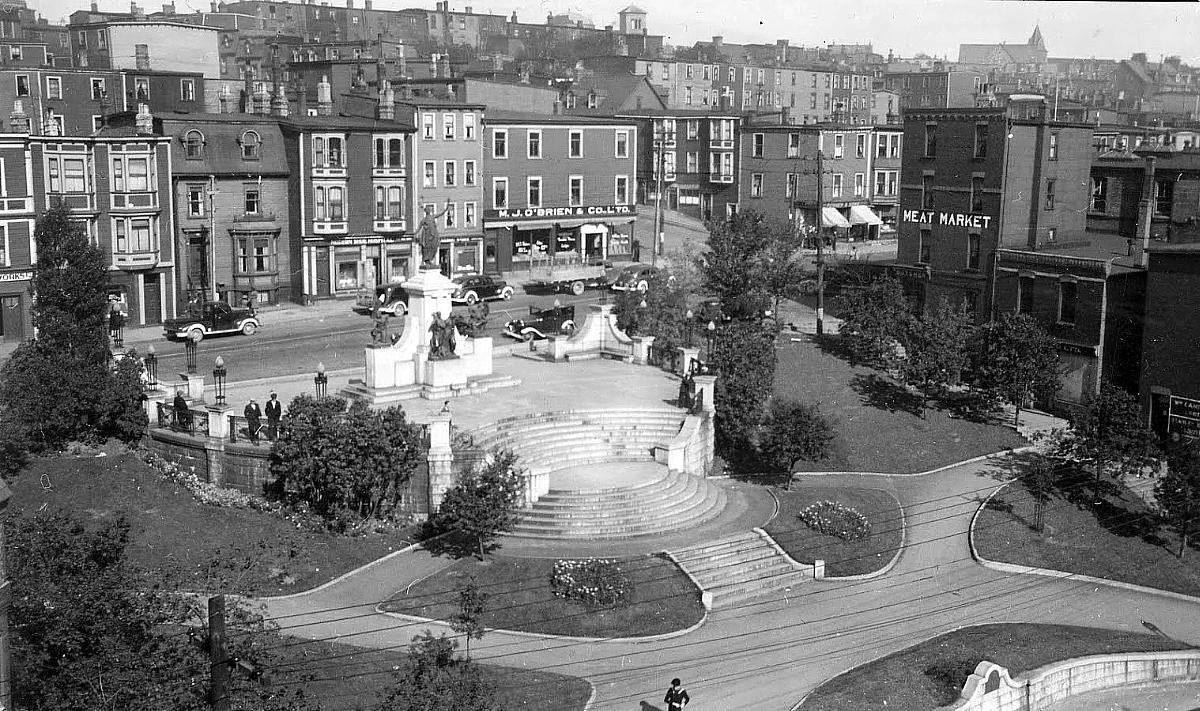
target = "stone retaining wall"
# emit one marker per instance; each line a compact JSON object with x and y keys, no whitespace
{"x":990,"y":688}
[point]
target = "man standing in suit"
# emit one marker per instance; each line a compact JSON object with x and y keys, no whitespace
{"x":253,"y":416}
{"x":274,"y":414}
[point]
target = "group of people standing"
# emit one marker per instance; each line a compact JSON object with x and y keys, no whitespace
{"x":254,"y":414}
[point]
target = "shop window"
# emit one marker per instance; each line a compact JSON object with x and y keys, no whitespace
{"x":347,"y":275}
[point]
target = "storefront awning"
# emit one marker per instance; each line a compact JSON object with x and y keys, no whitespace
{"x":863,"y":215}
{"x":833,"y":218}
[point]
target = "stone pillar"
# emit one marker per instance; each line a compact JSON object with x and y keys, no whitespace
{"x":705,"y":388}
{"x":214,"y":444}
{"x":192,"y":385}
{"x":218,"y":421}
{"x":686,"y":355}
{"x":557,"y":347}
{"x":441,"y":460}
{"x":818,"y":569}
{"x":641,"y":349}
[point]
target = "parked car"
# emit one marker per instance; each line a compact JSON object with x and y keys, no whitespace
{"x":211,"y":319}
{"x":391,"y":299}
{"x":478,"y":287}
{"x":635,"y":277}
{"x":542,"y":323}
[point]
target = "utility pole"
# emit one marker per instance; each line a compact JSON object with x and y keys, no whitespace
{"x":660,"y":162}
{"x":820,"y":242}
{"x":218,"y":694}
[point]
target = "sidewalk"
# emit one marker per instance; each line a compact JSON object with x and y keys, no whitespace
{"x":286,"y":312}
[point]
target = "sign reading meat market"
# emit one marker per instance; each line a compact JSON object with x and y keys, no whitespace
{"x":549,"y":213}
{"x":949,"y":219}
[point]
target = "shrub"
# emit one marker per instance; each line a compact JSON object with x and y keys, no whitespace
{"x":596,"y":582}
{"x":795,"y":430}
{"x":834,"y":519}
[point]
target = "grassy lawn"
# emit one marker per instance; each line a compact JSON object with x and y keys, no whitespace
{"x":230,"y":550}
{"x":346,"y":677}
{"x":663,"y":598}
{"x":879,"y":427}
{"x":841,"y":557}
{"x":932,"y":673}
{"x":1119,"y":540}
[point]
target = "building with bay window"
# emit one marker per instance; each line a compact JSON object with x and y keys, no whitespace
{"x":17,"y":250}
{"x":558,"y":187}
{"x":447,"y":160}
{"x":349,"y":211}
{"x":117,"y":184}
{"x":230,"y":185}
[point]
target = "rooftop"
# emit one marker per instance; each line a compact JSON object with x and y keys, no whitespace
{"x":517,"y":117}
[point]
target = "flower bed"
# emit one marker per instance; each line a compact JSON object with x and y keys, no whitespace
{"x":834,"y":519}
{"x":596,"y":582}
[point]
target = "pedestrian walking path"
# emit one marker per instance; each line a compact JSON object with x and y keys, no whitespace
{"x":767,"y":653}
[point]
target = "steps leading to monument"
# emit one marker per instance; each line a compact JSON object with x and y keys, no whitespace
{"x":675,"y":501}
{"x":738,"y":569}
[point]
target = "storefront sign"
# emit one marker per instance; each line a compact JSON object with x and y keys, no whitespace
{"x":949,"y":219}
{"x":15,"y":276}
{"x":1184,"y":417}
{"x":1076,"y":348}
{"x":543,"y":213}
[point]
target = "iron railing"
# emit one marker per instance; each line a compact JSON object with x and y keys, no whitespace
{"x":193,"y":422}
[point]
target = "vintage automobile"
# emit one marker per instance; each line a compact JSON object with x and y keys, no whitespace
{"x":211,"y":319}
{"x":635,"y":277}
{"x":542,"y":323}
{"x":478,"y":287}
{"x":391,"y":299}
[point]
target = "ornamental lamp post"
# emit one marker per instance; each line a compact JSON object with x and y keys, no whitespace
{"x":712,"y":332}
{"x":687,"y":326}
{"x":321,"y":381}
{"x":151,"y":363}
{"x":219,"y":379}
{"x":189,"y":346}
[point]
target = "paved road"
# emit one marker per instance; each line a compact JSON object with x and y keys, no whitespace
{"x":769,"y":654}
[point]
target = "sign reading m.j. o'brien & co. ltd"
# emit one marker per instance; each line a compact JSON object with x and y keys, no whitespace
{"x":949,"y":219}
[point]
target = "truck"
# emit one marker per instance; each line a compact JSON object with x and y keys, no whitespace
{"x":571,"y":276}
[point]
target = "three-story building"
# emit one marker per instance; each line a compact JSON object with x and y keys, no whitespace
{"x":17,"y":250}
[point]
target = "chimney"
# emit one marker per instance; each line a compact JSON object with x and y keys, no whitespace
{"x":262,"y":100}
{"x":279,"y":104}
{"x":558,"y":107}
{"x":324,"y":97}
{"x":144,"y":121}
{"x":1145,"y":214}
{"x":717,"y":42}
{"x":468,"y":9}
{"x":443,"y":67}
{"x":387,"y":103}
{"x":785,"y":116}
{"x":349,"y":4}
{"x":168,"y":8}
{"x":224,"y":98}
{"x":302,"y":100}
{"x":18,"y":122}
{"x":367,"y":4}
{"x":212,"y":6}
{"x":95,"y":6}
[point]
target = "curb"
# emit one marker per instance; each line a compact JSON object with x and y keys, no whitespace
{"x":591,"y":697}
{"x":1048,"y":573}
{"x":887,"y":568}
{"x":973,"y":460}
{"x":296,"y":595}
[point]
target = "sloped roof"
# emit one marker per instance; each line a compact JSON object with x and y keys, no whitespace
{"x":222,"y":148}
{"x":612,"y":92}
{"x":632,"y":8}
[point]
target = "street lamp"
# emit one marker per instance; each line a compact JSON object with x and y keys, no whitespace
{"x":117,"y":326}
{"x":219,"y":379}
{"x":151,"y":363}
{"x":321,"y":381}
{"x":687,"y":326}
{"x":712,"y":332}
{"x":189,"y":346}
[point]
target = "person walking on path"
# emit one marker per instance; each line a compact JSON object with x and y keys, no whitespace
{"x":274,"y":414}
{"x":677,"y":696}
{"x":253,"y":420}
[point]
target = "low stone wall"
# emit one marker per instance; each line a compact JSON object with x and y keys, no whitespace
{"x":244,"y":467}
{"x":691,"y":450}
{"x":990,"y":688}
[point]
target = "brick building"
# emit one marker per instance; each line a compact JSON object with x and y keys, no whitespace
{"x":778,"y":175}
{"x":935,"y":89}
{"x":230,"y":183}
{"x":888,"y":157}
{"x":117,"y":184}
{"x":349,"y":210}
{"x":1154,"y":186}
{"x":109,"y":41}
{"x":558,"y":186}
{"x":700,"y":160}
{"x":977,"y":180}
{"x":1170,"y":389}
{"x":16,"y":237}
{"x":448,"y":176}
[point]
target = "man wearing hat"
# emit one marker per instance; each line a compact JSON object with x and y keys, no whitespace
{"x":274,"y":414}
{"x":253,"y":420}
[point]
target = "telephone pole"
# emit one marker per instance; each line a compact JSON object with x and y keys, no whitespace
{"x":660,"y":162}
{"x":218,"y":694}
{"x":820,"y":244}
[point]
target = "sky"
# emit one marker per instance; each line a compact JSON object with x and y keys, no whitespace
{"x":1111,"y":30}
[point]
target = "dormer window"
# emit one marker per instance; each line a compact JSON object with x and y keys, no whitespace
{"x":591,"y":100}
{"x":570,"y":102}
{"x":193,"y":145}
{"x":250,"y":143}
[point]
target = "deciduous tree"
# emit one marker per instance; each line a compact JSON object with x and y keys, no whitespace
{"x":795,"y":431}
{"x":484,"y":504}
{"x":472,"y":603}
{"x":743,"y":355}
{"x":935,"y":349}
{"x":1109,"y":435}
{"x":1014,"y":359}
{"x":732,"y":263}
{"x":431,"y":678}
{"x":1178,"y":492}
{"x":874,"y":319}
